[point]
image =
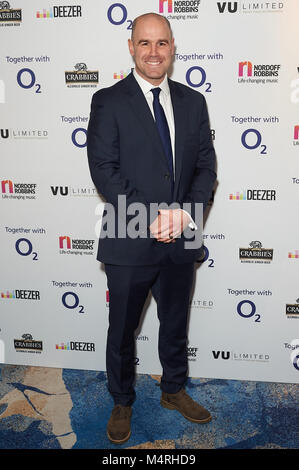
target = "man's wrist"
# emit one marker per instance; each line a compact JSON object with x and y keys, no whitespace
{"x":191,"y":224}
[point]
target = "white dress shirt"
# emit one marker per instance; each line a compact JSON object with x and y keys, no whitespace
{"x":165,"y":100}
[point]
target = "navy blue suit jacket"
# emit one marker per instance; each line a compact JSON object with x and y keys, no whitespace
{"x":126,"y":157}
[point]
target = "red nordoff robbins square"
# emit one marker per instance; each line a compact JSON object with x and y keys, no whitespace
{"x":132,"y":221}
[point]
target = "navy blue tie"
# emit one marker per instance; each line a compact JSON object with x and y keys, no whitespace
{"x":163,"y":129}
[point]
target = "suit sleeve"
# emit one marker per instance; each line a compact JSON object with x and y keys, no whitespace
{"x":204,"y":174}
{"x":103,"y":150}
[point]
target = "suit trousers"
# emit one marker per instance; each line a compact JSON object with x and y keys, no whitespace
{"x":129,"y":287}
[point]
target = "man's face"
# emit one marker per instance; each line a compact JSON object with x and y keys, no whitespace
{"x":152,"y":49}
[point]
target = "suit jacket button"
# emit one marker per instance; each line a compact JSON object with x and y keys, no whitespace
{"x":167,"y":176}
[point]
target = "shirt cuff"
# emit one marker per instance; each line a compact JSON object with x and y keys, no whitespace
{"x":192,"y":224}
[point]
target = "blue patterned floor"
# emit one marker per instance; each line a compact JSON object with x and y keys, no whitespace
{"x":46,"y":408}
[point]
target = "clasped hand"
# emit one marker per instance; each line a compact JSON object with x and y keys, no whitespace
{"x":169,"y":225}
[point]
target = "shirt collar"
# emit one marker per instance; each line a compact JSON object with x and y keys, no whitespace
{"x":147,"y":86}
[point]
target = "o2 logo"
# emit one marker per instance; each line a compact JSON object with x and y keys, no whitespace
{"x":71,"y":300}
{"x":117,"y":14}
{"x":257,"y":141}
{"x":295,"y":353}
{"x":26,"y":79}
{"x":207,"y":258}
{"x":295,"y":360}
{"x":79,"y":141}
{"x":247,"y":309}
{"x":196,"y":77}
{"x":24,"y":248}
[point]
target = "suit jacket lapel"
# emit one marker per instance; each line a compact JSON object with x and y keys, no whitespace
{"x":179,"y":112}
{"x":145,"y":118}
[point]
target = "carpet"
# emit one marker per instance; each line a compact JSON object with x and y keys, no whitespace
{"x":51,"y":408}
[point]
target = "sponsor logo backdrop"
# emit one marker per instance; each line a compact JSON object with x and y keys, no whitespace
{"x":242,"y":56}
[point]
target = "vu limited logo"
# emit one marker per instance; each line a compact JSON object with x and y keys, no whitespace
{"x":230,"y":7}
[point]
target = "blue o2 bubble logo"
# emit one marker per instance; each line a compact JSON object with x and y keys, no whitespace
{"x":207,"y":258}
{"x":26,"y":79}
{"x":117,"y":15}
{"x":296,"y":362}
{"x":80,"y":141}
{"x":247,"y":309}
{"x":196,"y":77}
{"x":295,"y":353}
{"x":71,"y":300}
{"x":255,"y":138}
{"x":24,"y":248}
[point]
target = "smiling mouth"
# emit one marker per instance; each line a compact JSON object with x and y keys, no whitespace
{"x":152,"y":62}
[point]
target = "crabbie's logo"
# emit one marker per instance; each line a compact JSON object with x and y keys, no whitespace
{"x":292,"y":310}
{"x":255,"y":253}
{"x":81,"y":77}
{"x":28,"y":344}
{"x":9,"y":16}
{"x":75,"y":246}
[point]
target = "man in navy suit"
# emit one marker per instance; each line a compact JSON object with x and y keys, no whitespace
{"x":149,"y":142}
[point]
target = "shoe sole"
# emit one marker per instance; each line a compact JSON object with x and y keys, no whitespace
{"x":172,"y":407}
{"x":116,"y":441}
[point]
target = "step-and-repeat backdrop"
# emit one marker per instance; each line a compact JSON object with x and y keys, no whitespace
{"x":243,"y":56}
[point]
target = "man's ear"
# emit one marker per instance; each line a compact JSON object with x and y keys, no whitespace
{"x":172,"y":46}
{"x":131,"y":47}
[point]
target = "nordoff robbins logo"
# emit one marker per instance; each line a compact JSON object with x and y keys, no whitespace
{"x":255,"y":253}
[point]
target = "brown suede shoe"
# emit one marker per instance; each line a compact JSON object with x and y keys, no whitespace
{"x":182,"y":402}
{"x":119,"y":424}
